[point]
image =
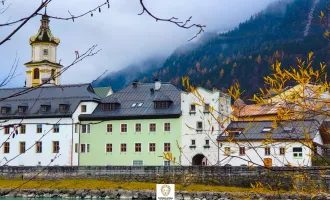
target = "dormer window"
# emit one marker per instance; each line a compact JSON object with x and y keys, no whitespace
{"x":161,"y":104}
{"x":5,"y":109}
{"x":22,"y":109}
{"x":109,"y":106}
{"x":45,"y":107}
{"x":63,"y":108}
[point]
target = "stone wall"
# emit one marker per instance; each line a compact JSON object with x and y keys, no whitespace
{"x":225,"y":176}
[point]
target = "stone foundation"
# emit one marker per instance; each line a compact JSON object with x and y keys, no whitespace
{"x":144,"y":194}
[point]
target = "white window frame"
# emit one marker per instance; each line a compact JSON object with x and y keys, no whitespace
{"x":106,"y":128}
{"x":135,"y":127}
{"x":137,"y":165}
{"x":155,"y":127}
{"x":126,"y":128}
{"x":120,"y":148}
{"x":149,"y":147}
{"x":105,"y":149}
{"x":168,"y":162}
{"x":191,"y":144}
{"x":134,"y":147}
{"x":164,"y":147}
{"x":298,"y":156}
{"x":164,"y":127}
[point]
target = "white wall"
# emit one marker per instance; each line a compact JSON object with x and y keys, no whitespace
{"x":66,"y":137}
{"x":190,"y":120}
{"x":30,"y":157}
{"x":255,"y":152}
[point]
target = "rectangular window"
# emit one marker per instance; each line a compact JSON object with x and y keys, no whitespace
{"x":267,"y":151}
{"x":85,"y":128}
{"x":242,"y":151}
{"x":88,"y":147}
{"x":56,"y":146}
{"x":167,"y":127}
{"x":108,"y":148}
{"x":4,"y":110}
{"x":206,"y":107}
{"x":138,"y":128}
{"x":123,"y":147}
{"x":137,"y":162}
{"x":22,"y":129}
{"x":199,"y":125}
{"x":192,"y":108}
{"x":109,"y":128}
{"x":22,"y":109}
{"x":161,"y":105}
{"x":167,"y":147}
{"x":45,"y":52}
{"x":152,"y":127}
{"x":6,"y":147}
{"x":137,"y":147}
{"x":109,"y":106}
{"x":282,"y":151}
{"x":63,"y":108}
{"x":207,"y":142}
{"x":22,"y":147}
{"x":39,"y":128}
{"x":193,"y":142}
{"x":6,"y":130}
{"x":38,"y":147}
{"x":152,"y":147}
{"x":167,"y":163}
{"x":76,"y":126}
{"x":123,"y":128}
{"x":83,"y":108}
{"x":76,"y":148}
{"x":82,"y":148}
{"x":44,"y":108}
{"x":297,"y":152}
{"x":56,"y":128}
{"x":227,"y":151}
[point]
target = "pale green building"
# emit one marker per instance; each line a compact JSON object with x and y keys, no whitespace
{"x":133,"y":126}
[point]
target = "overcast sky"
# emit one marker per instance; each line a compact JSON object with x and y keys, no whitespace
{"x":124,"y":37}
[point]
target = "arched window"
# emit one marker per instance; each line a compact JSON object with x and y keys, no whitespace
{"x":36,"y":73}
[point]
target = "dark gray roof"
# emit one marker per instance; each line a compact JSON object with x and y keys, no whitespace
{"x":48,"y":95}
{"x":159,"y":96}
{"x":253,"y":130}
{"x":139,"y":94}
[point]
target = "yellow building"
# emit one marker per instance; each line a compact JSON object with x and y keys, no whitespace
{"x":43,"y":66}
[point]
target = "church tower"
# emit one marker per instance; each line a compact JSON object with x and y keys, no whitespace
{"x":43,"y":65}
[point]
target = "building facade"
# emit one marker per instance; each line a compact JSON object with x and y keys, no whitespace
{"x":259,"y":143}
{"x":134,"y":126}
{"x":39,"y":127}
{"x":203,"y":114}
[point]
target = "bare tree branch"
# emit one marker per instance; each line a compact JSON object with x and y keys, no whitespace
{"x":175,"y":21}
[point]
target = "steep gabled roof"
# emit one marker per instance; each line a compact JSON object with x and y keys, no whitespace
{"x":130,"y":98}
{"x":53,"y":96}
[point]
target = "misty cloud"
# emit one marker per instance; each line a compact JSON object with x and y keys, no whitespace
{"x":124,"y":37}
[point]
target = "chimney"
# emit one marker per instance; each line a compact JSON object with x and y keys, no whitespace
{"x":158,"y":84}
{"x":134,"y":84}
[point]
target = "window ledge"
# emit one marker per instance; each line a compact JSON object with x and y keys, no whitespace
{"x":192,"y":112}
{"x":206,"y":146}
{"x":192,"y":146}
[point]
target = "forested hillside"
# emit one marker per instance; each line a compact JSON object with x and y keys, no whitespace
{"x":281,"y":32}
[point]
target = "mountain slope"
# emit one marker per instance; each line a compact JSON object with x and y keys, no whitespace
{"x":282,"y":32}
